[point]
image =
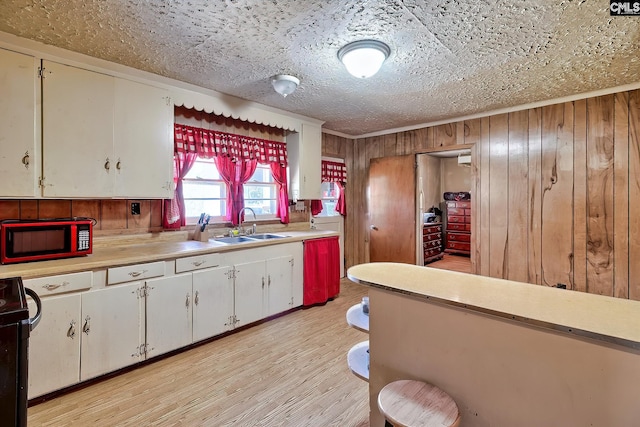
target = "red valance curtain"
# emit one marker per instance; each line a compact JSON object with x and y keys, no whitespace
{"x":209,"y":143}
{"x":236,"y":157}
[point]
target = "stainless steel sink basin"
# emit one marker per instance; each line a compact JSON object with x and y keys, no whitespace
{"x":235,"y":239}
{"x":265,"y":236}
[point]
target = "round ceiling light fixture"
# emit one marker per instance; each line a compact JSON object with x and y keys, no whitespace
{"x":363,"y":58}
{"x":285,"y":84}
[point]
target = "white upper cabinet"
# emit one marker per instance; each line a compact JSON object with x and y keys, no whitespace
{"x":78,"y":122}
{"x":19,"y":128}
{"x":143,"y":141}
{"x":304,"y":150}
{"x":104,"y":136}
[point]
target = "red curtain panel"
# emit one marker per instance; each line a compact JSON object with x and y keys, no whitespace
{"x":321,"y":270}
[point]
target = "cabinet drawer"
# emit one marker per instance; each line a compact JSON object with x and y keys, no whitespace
{"x":134,"y":272}
{"x":459,"y":237}
{"x":456,"y":219}
{"x":456,"y":211}
{"x":432,"y":236}
{"x":197,"y":262}
{"x":459,"y":227}
{"x":432,"y":229}
{"x":459,"y":204}
{"x":460,"y":246}
{"x":428,"y":253}
{"x":432,"y":244}
{"x":52,"y":285}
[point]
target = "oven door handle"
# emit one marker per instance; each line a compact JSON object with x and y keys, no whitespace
{"x":33,"y":322}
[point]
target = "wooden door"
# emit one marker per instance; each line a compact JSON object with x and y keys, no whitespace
{"x":392,"y":209}
{"x":112,"y":329}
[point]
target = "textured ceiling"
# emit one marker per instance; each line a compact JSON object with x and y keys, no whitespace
{"x":449,"y":58}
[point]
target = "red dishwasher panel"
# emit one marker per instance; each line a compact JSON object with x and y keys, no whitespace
{"x":321,"y":270}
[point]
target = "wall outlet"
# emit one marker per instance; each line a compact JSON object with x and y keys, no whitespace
{"x":135,"y":208}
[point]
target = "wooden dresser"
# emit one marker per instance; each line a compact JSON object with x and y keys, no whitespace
{"x":458,"y":236}
{"x":432,"y":241}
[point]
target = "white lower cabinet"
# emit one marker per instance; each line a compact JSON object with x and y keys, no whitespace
{"x":54,"y":345}
{"x":169,"y":313}
{"x":112,"y":328}
{"x":212,"y":302}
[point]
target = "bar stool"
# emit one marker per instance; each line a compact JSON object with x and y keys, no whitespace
{"x":408,"y":403}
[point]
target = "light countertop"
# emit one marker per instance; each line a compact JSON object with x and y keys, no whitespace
{"x":614,"y":320}
{"x":148,"y":250}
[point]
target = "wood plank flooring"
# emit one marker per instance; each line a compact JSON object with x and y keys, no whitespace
{"x":289,"y":371}
{"x":453,"y":262}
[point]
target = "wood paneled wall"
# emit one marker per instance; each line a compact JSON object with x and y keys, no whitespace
{"x":555,"y":191}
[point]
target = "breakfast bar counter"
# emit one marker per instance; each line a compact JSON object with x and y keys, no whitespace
{"x":508,"y":353}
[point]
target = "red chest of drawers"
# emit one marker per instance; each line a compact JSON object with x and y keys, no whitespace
{"x":432,"y":242}
{"x":458,"y":235}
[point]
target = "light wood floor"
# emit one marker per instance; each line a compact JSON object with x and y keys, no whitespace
{"x":453,"y":262}
{"x":290,"y":371}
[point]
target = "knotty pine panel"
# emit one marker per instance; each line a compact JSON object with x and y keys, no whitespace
{"x":620,"y":196}
{"x":498,"y":195}
{"x":334,"y":146}
{"x":88,"y":209}
{"x":445,"y":135}
{"x":534,"y":217}
{"x":54,"y":209}
{"x":9,"y":209}
{"x":483,"y":232}
{"x":114,"y":214}
{"x":561,"y":186}
{"x":28,"y":209}
{"x":518,"y":182}
{"x":634,"y":195}
{"x":557,"y":194}
{"x":156,"y":213}
{"x":579,"y":280}
{"x":600,"y":195}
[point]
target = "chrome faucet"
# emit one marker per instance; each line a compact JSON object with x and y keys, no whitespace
{"x":253,"y":228}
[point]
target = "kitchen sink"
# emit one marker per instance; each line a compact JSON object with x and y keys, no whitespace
{"x":235,"y":239}
{"x":265,"y":236}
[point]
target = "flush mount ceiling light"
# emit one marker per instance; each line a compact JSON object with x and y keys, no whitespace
{"x":284,"y":84}
{"x":364,"y":58}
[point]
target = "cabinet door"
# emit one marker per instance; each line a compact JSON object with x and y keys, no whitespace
{"x":77,"y":120}
{"x":143,"y":141}
{"x":112,"y":327}
{"x":279,"y":285}
{"x":54,"y":345}
{"x":19,"y":129}
{"x":169,"y":313}
{"x":212,"y":302}
{"x":304,"y":150}
{"x":249,"y":288}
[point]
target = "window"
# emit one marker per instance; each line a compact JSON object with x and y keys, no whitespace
{"x":205,"y":191}
{"x":330,"y":193}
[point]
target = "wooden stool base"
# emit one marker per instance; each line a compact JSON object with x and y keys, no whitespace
{"x":408,"y":403}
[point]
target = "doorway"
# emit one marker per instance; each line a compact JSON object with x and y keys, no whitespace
{"x":444,"y":224}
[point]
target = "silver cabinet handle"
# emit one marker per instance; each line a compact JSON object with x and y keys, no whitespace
{"x":71,"y":332}
{"x":25,"y":160}
{"x":263,"y":282}
{"x":137,"y":273}
{"x":373,"y":227}
{"x":87,"y":325}
{"x":54,"y":286}
{"x":269,"y":280}
{"x":118,"y":164}
{"x":196,"y":299}
{"x":188,"y":302}
{"x":107,"y":164}
{"x":197,"y":263}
